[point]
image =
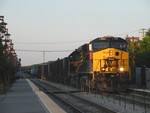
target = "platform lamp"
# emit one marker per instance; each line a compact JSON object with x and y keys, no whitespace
{"x":11,"y":45}
{"x":6,"y":43}
{"x":3,"y":27}
{"x":7,"y":37}
{"x":2,"y":18}
{"x":14,"y":58}
{"x":11,"y":49}
{"x":13,"y":53}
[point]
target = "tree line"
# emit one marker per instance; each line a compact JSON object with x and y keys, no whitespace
{"x":142,"y":51}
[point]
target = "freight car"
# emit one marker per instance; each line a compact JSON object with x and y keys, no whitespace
{"x":58,"y":70}
{"x":103,"y":64}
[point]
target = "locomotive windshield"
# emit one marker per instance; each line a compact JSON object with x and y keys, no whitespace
{"x":103,"y":44}
{"x":121,"y":46}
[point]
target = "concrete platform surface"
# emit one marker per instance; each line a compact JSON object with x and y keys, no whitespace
{"x":24,"y":97}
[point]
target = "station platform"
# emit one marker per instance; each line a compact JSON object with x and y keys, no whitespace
{"x":25,"y":97}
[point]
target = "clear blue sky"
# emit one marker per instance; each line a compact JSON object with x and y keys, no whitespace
{"x":78,"y":21}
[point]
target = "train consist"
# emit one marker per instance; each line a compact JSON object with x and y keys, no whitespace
{"x":103,"y":63}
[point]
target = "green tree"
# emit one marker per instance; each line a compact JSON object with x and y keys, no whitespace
{"x":143,"y":54}
{"x":148,"y":32}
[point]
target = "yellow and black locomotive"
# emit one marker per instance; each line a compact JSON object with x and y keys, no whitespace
{"x":104,"y":62}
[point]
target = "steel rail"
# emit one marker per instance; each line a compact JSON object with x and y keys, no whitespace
{"x":77,"y":98}
{"x":49,"y":93}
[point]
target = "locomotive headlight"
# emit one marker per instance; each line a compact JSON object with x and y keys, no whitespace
{"x":121,"y":69}
{"x":103,"y":69}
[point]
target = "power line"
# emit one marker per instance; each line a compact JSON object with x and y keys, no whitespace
{"x":43,"y":51}
{"x":78,"y":41}
{"x":24,"y":50}
{"x":126,"y":33}
{"x":52,"y":42}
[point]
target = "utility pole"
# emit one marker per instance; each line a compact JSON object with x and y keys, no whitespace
{"x":143,"y":32}
{"x":43,"y":56}
{"x":132,"y":40}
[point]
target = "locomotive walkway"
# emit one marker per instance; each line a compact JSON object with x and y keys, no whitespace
{"x":25,"y":97}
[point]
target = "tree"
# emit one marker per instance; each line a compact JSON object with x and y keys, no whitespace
{"x":148,"y":32}
{"x":143,"y":54}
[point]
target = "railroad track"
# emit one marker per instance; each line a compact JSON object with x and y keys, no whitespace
{"x":130,"y":98}
{"x":135,"y":99}
{"x":75,"y":103}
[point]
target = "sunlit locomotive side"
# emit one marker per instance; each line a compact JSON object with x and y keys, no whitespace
{"x":103,"y":63}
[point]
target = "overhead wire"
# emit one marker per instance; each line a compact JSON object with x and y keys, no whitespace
{"x":51,"y":42}
{"x":23,"y":50}
{"x":67,"y":42}
{"x":126,"y":33}
{"x":77,"y":41}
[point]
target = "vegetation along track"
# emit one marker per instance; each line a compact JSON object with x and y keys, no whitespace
{"x":75,"y":103}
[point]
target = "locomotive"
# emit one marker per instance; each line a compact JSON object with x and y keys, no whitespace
{"x":103,"y":63}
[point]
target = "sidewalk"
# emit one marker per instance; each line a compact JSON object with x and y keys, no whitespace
{"x":21,"y":99}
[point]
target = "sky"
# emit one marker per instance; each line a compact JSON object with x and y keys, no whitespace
{"x":61,"y":26}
